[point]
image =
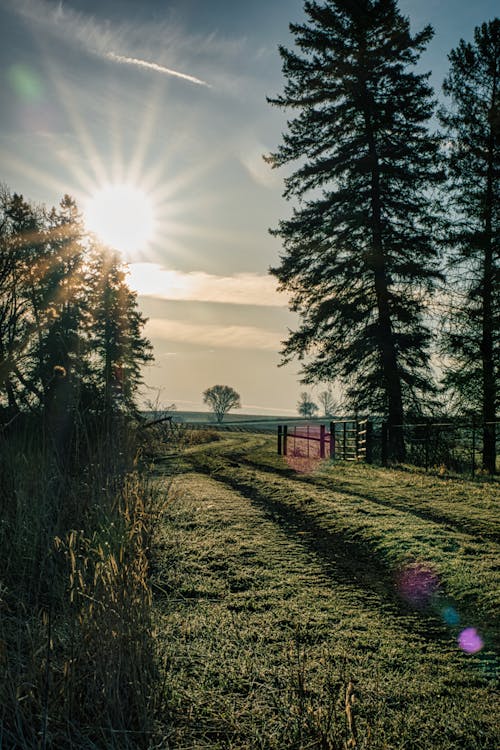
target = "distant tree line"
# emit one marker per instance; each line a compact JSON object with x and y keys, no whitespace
{"x":71,"y":340}
{"x":391,"y":254}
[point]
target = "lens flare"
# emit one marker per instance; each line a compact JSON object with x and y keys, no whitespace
{"x":25,"y":82}
{"x":417,"y":583}
{"x":304,"y":452}
{"x":470,"y":641}
{"x":450,"y":616}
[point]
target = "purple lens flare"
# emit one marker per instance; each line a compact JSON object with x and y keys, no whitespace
{"x":418,"y":583}
{"x":470,"y":641}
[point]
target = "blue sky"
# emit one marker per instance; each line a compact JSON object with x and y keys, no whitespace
{"x":170,"y":97}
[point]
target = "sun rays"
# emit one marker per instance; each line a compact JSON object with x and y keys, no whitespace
{"x":135,"y":196}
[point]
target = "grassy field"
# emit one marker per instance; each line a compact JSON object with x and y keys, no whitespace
{"x":76,"y":646}
{"x":328,"y":606}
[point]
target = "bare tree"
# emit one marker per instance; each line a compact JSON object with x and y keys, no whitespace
{"x":221,"y":398}
{"x":329,"y":403}
{"x":306,"y":406}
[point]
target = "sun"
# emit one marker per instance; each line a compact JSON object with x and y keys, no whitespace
{"x":123,"y":217}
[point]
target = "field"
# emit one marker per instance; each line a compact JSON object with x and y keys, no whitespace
{"x":307,"y":605}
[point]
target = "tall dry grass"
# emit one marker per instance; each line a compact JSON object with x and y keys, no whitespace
{"x":76,"y":642}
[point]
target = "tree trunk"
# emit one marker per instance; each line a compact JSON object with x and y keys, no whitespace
{"x":387,"y":349}
{"x":489,"y":385}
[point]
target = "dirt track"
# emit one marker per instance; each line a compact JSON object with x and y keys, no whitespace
{"x":265,"y":616}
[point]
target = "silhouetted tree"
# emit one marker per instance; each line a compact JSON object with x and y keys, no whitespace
{"x":21,"y":247}
{"x":70,"y":329}
{"x":472,"y":122}
{"x":306,"y":406}
{"x":328,"y":402}
{"x":62,"y":288}
{"x":221,"y":399}
{"x":359,"y":256}
{"x":118,"y":347}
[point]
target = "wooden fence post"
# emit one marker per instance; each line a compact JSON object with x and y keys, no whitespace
{"x":285,"y":439}
{"x":332,"y":440}
{"x":344,"y":441}
{"x":427,"y":443}
{"x":322,"y":441}
{"x":356,"y":440}
{"x":280,"y":440}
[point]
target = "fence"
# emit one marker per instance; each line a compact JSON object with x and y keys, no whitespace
{"x":347,"y":440}
{"x":453,"y":445}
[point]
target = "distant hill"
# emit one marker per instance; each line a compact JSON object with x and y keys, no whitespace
{"x":205,"y":417}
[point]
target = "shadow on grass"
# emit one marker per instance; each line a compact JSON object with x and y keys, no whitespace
{"x":345,"y":560}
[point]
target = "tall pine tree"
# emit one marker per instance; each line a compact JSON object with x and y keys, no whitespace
{"x":359,"y":257}
{"x":60,"y":338}
{"x":472,"y":125}
{"x":118,"y":346}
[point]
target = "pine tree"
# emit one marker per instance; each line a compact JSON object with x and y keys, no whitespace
{"x":62,"y":289}
{"x":21,"y":247}
{"x":118,"y":347}
{"x":359,"y":256}
{"x":71,"y":334}
{"x":472,"y":124}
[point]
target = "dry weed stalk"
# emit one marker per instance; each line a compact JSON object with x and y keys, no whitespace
{"x":350,"y":699}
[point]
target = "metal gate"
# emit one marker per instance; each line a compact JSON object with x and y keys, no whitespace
{"x":346,"y":440}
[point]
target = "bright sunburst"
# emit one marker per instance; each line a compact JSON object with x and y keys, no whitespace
{"x":122,"y":216}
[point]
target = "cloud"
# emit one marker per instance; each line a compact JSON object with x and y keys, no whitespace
{"x":103,"y":39}
{"x":218,"y":337}
{"x":152,"y":280}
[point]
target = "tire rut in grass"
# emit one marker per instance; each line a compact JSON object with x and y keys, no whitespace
{"x":377,"y":544}
{"x":469,"y":527}
{"x":342,"y":560}
{"x":232,"y":680}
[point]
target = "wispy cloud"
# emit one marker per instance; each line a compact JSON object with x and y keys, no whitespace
{"x":225,"y":337}
{"x":117,"y":42}
{"x":152,"y":280}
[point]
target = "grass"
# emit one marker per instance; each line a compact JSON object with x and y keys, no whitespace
{"x":261,"y":604}
{"x":391,"y":516}
{"x":306,"y":611}
{"x":76,"y":646}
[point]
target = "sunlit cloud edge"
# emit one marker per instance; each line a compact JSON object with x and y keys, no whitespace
{"x":216,"y":336}
{"x":153,"y":280}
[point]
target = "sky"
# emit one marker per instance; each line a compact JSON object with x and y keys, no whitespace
{"x":168,"y":98}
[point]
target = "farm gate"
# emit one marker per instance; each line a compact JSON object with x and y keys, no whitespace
{"x":347,"y":440}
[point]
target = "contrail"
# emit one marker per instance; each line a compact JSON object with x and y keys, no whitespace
{"x":156,"y":67}
{"x":92,"y":36}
